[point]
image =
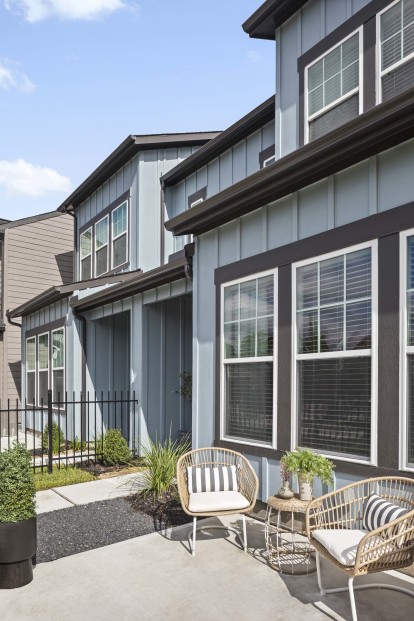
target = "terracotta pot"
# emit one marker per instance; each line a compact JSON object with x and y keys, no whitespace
{"x":305,"y":488}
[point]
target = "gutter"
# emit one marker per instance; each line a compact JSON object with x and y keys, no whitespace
{"x":12,"y":323}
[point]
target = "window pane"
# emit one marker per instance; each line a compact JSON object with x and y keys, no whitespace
{"x":43,"y":344}
{"x":248,"y":299}
{"x":315,"y":75}
{"x":358,"y":274}
{"x":43,"y":387}
{"x":58,"y":348}
{"x":249,"y":401}
{"x":350,"y":51}
{"x":391,"y":51}
{"x":358,"y":325}
{"x":247,"y":338}
{"x":408,"y":12}
{"x":315,"y":100}
{"x":410,"y":317}
{"x":86,"y":243}
{"x":102,"y":261}
{"x":307,"y":286}
{"x":332,"y":90}
{"x":332,"y":280}
{"x":265,"y":337}
{"x":350,"y":78}
{"x":31,"y":388}
{"x":101,"y":232}
{"x":231,"y":303}
{"x":231,"y":340}
{"x":31,"y":354}
{"x":265,"y":296}
{"x":391,"y":22}
{"x":58,"y":385}
{"x":332,"y":329}
{"x":120,"y":251}
{"x":86,"y":268}
{"x":119,"y":220}
{"x":410,"y":411}
{"x":307,"y":332}
{"x":408,"y":40}
{"x":332,"y":63}
{"x":334,"y":405}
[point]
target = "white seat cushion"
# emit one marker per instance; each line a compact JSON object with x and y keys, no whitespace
{"x":341,"y":543}
{"x":206,"y":502}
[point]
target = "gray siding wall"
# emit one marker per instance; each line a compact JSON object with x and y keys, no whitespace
{"x":373,"y":186}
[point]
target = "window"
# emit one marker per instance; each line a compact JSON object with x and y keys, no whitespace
{"x":270,"y":160}
{"x":407,"y":440}
{"x":395,"y":28}
{"x":119,"y":235}
{"x":334,"y":304}
{"x":58,"y":364}
{"x":43,"y":367}
{"x":248,"y":368}
{"x":86,"y":254}
{"x":101,"y":246}
{"x":332,"y":86}
{"x":31,"y":370}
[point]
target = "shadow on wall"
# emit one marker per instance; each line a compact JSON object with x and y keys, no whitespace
{"x":64,"y":262}
{"x":16,"y":373}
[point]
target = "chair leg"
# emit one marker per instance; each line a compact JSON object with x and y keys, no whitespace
{"x":318,"y":574}
{"x":193,"y":542}
{"x":244,"y":533}
{"x":352,"y":597}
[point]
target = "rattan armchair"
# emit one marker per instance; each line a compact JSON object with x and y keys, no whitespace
{"x":389,"y":547}
{"x":209,"y":458}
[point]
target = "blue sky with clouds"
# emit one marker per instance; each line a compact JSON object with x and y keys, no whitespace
{"x":78,"y":76}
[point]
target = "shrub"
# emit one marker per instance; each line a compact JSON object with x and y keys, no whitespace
{"x":78,"y":445}
{"x":17,"y":488}
{"x":98,"y":441}
{"x":58,"y":438}
{"x":161,"y":462}
{"x":115,"y":448}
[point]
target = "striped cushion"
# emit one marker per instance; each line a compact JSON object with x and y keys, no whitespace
{"x":378,"y":512}
{"x":217,"y":479}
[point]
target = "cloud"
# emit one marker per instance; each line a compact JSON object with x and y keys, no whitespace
{"x":22,"y":178}
{"x":11,"y":76}
{"x":38,"y":10}
{"x":254,"y":57}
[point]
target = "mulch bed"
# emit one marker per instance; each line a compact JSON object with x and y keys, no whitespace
{"x":165,"y":512}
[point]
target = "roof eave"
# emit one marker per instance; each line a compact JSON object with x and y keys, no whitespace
{"x":270,"y":15}
{"x":46,"y":298}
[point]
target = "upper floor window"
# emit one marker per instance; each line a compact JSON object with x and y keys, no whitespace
{"x":86,"y":254}
{"x":101,"y":246}
{"x":119,"y":235}
{"x":396,"y":49}
{"x":333,"y":85}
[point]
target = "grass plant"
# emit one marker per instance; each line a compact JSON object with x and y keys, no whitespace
{"x":61,"y":476}
{"x":160,"y":460}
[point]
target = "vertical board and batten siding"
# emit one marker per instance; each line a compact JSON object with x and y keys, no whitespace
{"x":300,"y":33}
{"x":38,"y":255}
{"x":373,"y":186}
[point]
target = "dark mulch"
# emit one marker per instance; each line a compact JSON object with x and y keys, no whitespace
{"x":86,"y":527}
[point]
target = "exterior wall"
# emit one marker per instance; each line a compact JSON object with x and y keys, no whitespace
{"x":306,"y":28}
{"x":371,"y":187}
{"x":37,"y":256}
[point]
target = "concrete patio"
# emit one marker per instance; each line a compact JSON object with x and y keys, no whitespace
{"x":155,"y":578}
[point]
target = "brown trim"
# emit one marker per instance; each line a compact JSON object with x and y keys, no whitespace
{"x":272,"y":14}
{"x":266,"y":153}
{"x":301,"y":108}
{"x":113,"y":277}
{"x":238,"y":131}
{"x":379,"y":129}
{"x":284,"y":357}
{"x":48,"y":297}
{"x":118,"y":201}
{"x":47,"y":327}
{"x":202,"y":193}
{"x":369,"y":68}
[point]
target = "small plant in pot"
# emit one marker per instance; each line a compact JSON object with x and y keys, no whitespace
{"x":306,"y":465}
{"x":17,"y":517}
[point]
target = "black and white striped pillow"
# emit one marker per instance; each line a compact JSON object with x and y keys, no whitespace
{"x":217,"y":479}
{"x":378,"y":512}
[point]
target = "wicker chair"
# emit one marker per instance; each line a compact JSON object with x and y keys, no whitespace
{"x":210,"y":458}
{"x":364,"y":552}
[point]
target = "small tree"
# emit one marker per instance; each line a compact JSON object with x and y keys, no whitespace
{"x":17,"y":487}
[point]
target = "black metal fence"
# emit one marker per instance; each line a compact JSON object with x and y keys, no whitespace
{"x":69,"y":431}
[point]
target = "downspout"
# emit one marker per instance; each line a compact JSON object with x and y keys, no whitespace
{"x":75,"y":239}
{"x":12,"y":323}
{"x":82,"y":319}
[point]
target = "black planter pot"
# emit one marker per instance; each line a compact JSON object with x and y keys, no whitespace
{"x":17,"y":547}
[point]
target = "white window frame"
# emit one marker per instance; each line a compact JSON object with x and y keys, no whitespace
{"x":39,"y":370}
{"x":405,"y":350}
{"x":372,"y":353}
{"x":273,"y":359}
{"x":62,"y":396}
{"x":197,"y":202}
{"x":81,"y":258}
{"x":335,"y":103}
{"x":103,"y":246}
{"x":268,"y":161}
{"x":114,"y":238}
{"x":34,"y":371}
{"x":380,"y":73}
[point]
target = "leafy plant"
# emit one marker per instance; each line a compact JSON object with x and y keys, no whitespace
{"x":307,"y":465}
{"x":98,"y":441}
{"x":58,"y":438}
{"x":186,"y":387}
{"x":115,"y":448}
{"x":78,"y":445}
{"x":161,"y":462}
{"x":17,"y":488}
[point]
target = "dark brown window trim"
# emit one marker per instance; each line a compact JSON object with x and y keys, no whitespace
{"x":47,"y":327}
{"x":91,"y":224}
{"x":266,"y":153}
{"x":196,"y":196}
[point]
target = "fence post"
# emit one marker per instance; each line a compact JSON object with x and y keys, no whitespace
{"x":49,"y":432}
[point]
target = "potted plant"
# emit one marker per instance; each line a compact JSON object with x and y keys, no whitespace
{"x":17,"y":517}
{"x":306,"y":465}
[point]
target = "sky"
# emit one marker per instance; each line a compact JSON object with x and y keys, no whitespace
{"x":78,"y":76}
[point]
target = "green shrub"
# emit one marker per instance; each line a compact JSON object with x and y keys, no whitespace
{"x":17,"y":488}
{"x":161,"y":463}
{"x":98,"y":442}
{"x":58,"y":438}
{"x":306,"y":464}
{"x":78,"y":445}
{"x":115,"y":448}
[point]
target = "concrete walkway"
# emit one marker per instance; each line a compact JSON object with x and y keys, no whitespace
{"x":154,"y":578}
{"x":84,"y":493}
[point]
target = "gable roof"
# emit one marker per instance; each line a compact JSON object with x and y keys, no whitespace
{"x":124,"y":152}
{"x":10,"y":224}
{"x":269,"y":16}
{"x":245,"y":126}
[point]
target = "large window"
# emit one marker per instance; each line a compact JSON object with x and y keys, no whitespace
{"x":58,"y":364}
{"x":101,"y":246}
{"x":86,"y":254}
{"x":407,"y":426}
{"x":248,"y":367}
{"x":334,"y":303}
{"x":119,"y":235}
{"x":31,"y":370}
{"x":396,"y":49}
{"x":333,"y":84}
{"x":45,"y":366}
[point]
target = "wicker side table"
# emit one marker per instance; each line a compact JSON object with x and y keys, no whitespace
{"x":296,"y":554}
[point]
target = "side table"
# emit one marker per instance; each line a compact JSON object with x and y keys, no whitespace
{"x":296,"y":554}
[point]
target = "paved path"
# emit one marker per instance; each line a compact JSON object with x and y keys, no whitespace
{"x":84,"y":493}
